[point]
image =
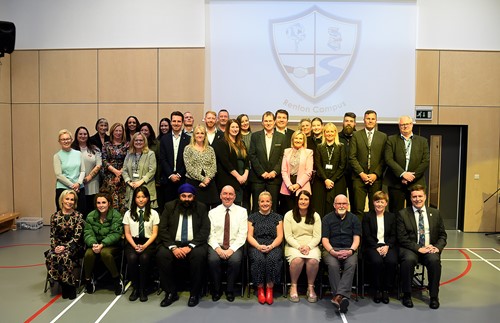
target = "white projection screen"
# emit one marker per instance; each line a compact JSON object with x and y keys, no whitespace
{"x":314,"y":59}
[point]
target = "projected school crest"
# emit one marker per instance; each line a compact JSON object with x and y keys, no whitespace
{"x":314,"y":50}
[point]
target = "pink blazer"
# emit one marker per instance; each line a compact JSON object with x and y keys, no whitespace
{"x":303,"y":174}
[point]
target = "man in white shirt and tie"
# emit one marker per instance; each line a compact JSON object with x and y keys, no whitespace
{"x":228,"y":233}
{"x":422,"y":238}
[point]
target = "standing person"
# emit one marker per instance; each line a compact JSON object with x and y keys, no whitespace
{"x":113,"y":155}
{"x":379,"y":247}
{"x":316,"y":137}
{"x":213,"y":133}
{"x":245,"y":129}
{"x":305,"y":126}
{"x":422,"y":238}
{"x":66,"y":245}
{"x":407,"y":159}
{"x":101,"y":136}
{"x":265,"y":235}
{"x":102,"y":234}
{"x":345,"y":137}
{"x":232,"y":161}
{"x":228,"y":233}
{"x":222,"y":118}
{"x":140,"y":225}
{"x":296,"y":171}
{"x":163,"y":128}
{"x":302,"y":227}
{"x":172,"y":157}
{"x":367,"y":161}
{"x":154,"y":145}
{"x":330,"y":160}
{"x":281,"y":120}
{"x":188,"y":123}
{"x":341,"y":235}
{"x":183,"y":235}
{"x":69,"y":169}
{"x":201,"y":166}
{"x":139,"y":169}
{"x":266,"y":155}
{"x":91,"y":156}
{"x":131,"y":127}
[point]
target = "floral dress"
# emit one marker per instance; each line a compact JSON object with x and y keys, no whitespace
{"x":114,"y":155}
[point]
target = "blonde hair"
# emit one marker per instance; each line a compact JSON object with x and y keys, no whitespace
{"x":63,"y":195}
{"x":330,"y":126}
{"x":205,"y":140}
{"x":304,"y":138}
{"x":112,"y":129}
{"x":131,"y":148}
{"x":64,"y":132}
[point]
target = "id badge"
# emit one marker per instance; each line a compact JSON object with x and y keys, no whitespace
{"x":135,"y":175}
{"x":328,"y":166}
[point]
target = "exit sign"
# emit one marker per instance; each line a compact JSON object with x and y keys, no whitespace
{"x":423,"y":113}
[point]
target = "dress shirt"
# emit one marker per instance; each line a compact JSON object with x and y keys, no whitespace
{"x":154,"y":219}
{"x":426,"y":224}
{"x":178,"y":235}
{"x":238,"y":226}
{"x":176,"y":141}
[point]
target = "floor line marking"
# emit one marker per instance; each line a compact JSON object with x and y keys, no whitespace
{"x":112,"y":303}
{"x":67,"y":308}
{"x":465,"y":272}
{"x":489,"y":263}
{"x":40,"y":311}
{"x":343,"y":317}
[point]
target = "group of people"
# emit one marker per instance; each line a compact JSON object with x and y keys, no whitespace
{"x":199,"y":193}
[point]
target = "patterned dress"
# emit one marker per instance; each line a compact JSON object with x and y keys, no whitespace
{"x":114,"y":155}
{"x":65,"y":230}
{"x":265,"y":267}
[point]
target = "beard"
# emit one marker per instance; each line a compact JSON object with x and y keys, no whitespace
{"x":186,"y":204}
{"x":348,"y":130}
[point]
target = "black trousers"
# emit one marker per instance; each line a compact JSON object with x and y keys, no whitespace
{"x":431,"y":261}
{"x":139,"y":264}
{"x":382,"y":269}
{"x":215,"y":268}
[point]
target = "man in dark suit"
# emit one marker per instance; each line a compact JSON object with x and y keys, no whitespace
{"x":407,"y":159}
{"x":182,"y":236}
{"x":345,"y":137}
{"x":213,"y":134}
{"x":281,"y":121}
{"x":366,"y":157}
{"x":422,"y":238}
{"x":266,"y":154}
{"x":171,"y":158}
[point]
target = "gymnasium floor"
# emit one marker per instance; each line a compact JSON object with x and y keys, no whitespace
{"x":470,"y":292}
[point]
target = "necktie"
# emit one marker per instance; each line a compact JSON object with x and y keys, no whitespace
{"x":369,"y":138}
{"x":421,"y":230}
{"x":141,"y":223}
{"x":184,"y":229}
{"x":369,"y":149}
{"x":227,"y":226}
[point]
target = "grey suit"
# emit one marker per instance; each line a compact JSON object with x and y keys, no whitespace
{"x":395,"y":158}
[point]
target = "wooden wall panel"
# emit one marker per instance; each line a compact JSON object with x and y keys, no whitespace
{"x":120,"y":112}
{"x":25,"y":77}
{"x":68,"y":76}
{"x":482,"y":159}
{"x":6,"y":194}
{"x":182,"y":75}
{"x":5,"y":84}
{"x":469,"y":78}
{"x":26,"y":159}
{"x":127,"y":75}
{"x":427,"y":78}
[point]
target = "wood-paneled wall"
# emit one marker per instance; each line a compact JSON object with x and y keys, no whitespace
{"x":53,"y":89}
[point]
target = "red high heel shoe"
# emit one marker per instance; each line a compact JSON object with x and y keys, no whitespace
{"x":269,"y":296}
{"x":260,"y":295}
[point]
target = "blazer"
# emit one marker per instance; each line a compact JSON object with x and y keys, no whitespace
{"x":146,"y":169}
{"x":288,"y":137}
{"x":358,"y":154}
{"x":258,"y":156}
{"x":338,"y":161}
{"x":169,"y":222}
{"x":227,"y":161}
{"x":96,"y":140}
{"x":395,"y":158}
{"x":370,"y":227}
{"x":407,"y":229}
{"x":167,"y":156}
{"x":304,"y":172}
{"x":219,"y":135}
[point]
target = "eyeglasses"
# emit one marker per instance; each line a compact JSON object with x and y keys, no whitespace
{"x":405,"y":124}
{"x":65,"y":139}
{"x":341,"y":203}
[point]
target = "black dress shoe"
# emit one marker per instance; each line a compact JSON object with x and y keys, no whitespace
{"x":143,"y":296}
{"x":230,"y":296}
{"x":169,"y":299}
{"x":434,"y":303}
{"x":377,"y":297}
{"x":385,"y":297}
{"x":216,"y":296}
{"x":134,"y":296}
{"x":193,"y":301}
{"x":344,"y":304}
{"x":407,"y":301}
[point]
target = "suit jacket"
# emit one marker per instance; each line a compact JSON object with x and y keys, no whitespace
{"x":358,"y":155}
{"x":338,"y":162}
{"x":167,"y":156}
{"x":407,"y":229}
{"x":395,"y":158}
{"x":227,"y":161}
{"x":219,"y":135}
{"x":96,"y":140}
{"x":304,"y":172}
{"x":370,"y":227}
{"x":288,"y":137}
{"x":169,"y":222}
{"x":146,"y":169}
{"x":258,"y":156}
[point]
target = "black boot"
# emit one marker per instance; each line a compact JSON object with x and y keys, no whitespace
{"x":64,"y":289}
{"x":71,"y":291}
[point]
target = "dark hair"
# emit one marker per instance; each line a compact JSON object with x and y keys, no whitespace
{"x":76,"y":146}
{"x":133,"y":205}
{"x":310,"y":209}
{"x":99,"y":121}
{"x":418,"y":187}
{"x":317,"y":119}
{"x":222,"y":110}
{"x":241,"y":117}
{"x":350,"y":115}
{"x":281,"y":111}
{"x":127,"y":130}
{"x":152,"y":135}
{"x":267,"y":114}
{"x":370,"y":112}
{"x":177,"y":113}
{"x":104,"y":194}
{"x":160,"y":134}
